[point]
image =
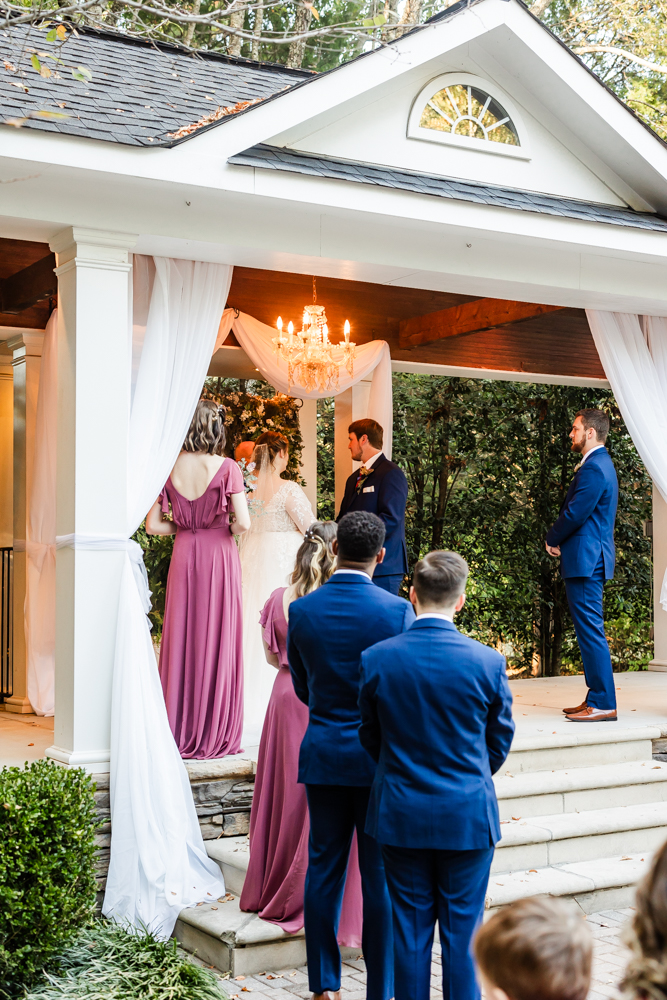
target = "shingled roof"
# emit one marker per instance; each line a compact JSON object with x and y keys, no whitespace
{"x":140,"y":92}
{"x":452,"y":188}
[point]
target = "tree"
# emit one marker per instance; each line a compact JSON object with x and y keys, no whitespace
{"x":488,"y":465}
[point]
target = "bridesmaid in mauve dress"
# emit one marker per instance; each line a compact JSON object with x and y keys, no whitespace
{"x":201,"y":655}
{"x":279,"y":825}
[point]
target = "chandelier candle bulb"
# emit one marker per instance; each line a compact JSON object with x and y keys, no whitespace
{"x":346,"y":331}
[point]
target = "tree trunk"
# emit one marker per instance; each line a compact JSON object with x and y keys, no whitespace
{"x":234,"y":42}
{"x":257,"y":32}
{"x":189,"y":34}
{"x":410,"y":17}
{"x":297,"y":49}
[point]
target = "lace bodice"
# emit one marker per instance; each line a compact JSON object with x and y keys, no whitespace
{"x":288,"y":510}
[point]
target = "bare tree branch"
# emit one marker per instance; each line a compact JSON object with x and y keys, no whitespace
{"x":614,"y":50}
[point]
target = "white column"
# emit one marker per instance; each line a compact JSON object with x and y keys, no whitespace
{"x":94,"y":358}
{"x":26,"y":347}
{"x":352,"y":404}
{"x":308,"y":428}
{"x":659,"y":661}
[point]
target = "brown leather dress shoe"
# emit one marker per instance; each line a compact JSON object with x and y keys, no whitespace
{"x":327,"y":995}
{"x":590,"y":714}
{"x":573,"y":711}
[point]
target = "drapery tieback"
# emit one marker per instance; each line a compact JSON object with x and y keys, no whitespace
{"x":113,"y":543}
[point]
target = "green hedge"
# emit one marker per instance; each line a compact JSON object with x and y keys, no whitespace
{"x":47,"y":866}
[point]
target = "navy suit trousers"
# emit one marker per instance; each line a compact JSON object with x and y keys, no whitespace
{"x":427,"y":885}
{"x":390,"y":583}
{"x":584,"y":596}
{"x":335,"y":812}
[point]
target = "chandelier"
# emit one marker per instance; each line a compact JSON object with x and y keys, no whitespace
{"x":312,"y":360}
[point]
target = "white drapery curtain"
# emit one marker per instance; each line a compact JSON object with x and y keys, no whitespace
{"x":372,"y":359}
{"x":633,"y":352}
{"x":40,"y":594}
{"x":158,"y":860}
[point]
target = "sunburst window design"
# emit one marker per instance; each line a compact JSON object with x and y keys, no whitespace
{"x":464,"y":110}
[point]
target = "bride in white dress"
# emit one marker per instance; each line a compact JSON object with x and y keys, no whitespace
{"x":280,"y":513}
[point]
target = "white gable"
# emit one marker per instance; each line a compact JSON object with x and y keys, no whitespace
{"x":577,"y":139}
{"x":378,"y":134}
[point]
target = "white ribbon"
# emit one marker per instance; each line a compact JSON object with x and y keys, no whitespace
{"x":113,"y":543}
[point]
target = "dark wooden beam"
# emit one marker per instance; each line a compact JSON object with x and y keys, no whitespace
{"x":36,"y":282}
{"x":469,"y":317}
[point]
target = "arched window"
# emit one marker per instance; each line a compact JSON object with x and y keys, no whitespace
{"x":464,"y":110}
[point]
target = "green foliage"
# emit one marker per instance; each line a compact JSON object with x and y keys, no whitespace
{"x":47,"y":866}
{"x":157,"y":556}
{"x":488,"y":466}
{"x":108,"y":963}
{"x":326,"y":505}
{"x":254,"y":407}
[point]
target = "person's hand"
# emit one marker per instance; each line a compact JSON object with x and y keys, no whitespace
{"x":553,"y":550}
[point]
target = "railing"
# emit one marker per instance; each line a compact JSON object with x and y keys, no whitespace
{"x":6,"y":617}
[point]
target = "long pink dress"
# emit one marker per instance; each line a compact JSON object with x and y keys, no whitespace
{"x":201,"y":656}
{"x":279,"y":824}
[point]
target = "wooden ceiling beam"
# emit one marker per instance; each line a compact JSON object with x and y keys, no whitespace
{"x":469,"y":317}
{"x":31,"y":285}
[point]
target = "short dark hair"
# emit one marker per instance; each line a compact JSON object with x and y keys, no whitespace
{"x":360,"y":536}
{"x":597,"y":419}
{"x":536,"y":949}
{"x":440,"y":578}
{"x":371,"y":428}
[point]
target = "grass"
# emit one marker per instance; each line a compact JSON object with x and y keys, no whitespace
{"x":108,"y":963}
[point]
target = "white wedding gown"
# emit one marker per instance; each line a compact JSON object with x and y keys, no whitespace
{"x":268,"y":552}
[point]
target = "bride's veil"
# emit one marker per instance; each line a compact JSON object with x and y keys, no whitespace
{"x":264,"y":487}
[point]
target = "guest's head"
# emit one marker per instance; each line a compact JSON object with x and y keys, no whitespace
{"x":535,"y":949}
{"x":439,"y":583}
{"x":315,"y":560}
{"x":207,"y":429}
{"x":360,"y":541}
{"x":589,"y":429}
{"x":365,"y":439}
{"x":243,"y":451}
{"x":646,"y":973}
{"x":271,"y":448}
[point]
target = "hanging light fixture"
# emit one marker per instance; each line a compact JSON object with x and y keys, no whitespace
{"x":312,"y":360}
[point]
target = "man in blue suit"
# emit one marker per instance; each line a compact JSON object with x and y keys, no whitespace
{"x":436,"y":714}
{"x":328,"y":631}
{"x":583,"y":537}
{"x":380,"y":487}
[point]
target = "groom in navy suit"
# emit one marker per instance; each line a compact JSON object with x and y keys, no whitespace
{"x":583,"y":537}
{"x":436,"y":714}
{"x":328,"y":631}
{"x":380,"y":487}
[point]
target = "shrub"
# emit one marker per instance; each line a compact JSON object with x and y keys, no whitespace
{"x":47,"y":866}
{"x":107,"y":963}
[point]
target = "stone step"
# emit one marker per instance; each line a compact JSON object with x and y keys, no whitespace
{"x":589,"y":745}
{"x":564,"y":838}
{"x":606,"y":883}
{"x":233,"y":856}
{"x":580,"y":789}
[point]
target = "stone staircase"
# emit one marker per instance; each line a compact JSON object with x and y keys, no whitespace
{"x":581,"y":814}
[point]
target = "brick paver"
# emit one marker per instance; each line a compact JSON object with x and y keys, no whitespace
{"x":609,"y":961}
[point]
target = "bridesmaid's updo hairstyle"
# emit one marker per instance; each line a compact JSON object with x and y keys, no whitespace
{"x":207,"y":430}
{"x":272,"y":443}
{"x":315,"y":561}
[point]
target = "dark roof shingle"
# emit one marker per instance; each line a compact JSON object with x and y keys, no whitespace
{"x":139,"y":92}
{"x":455,"y":189}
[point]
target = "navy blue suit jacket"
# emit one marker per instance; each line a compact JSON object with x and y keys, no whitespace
{"x":436,"y":713}
{"x":384,"y":493}
{"x":328,"y":631}
{"x":585,"y":527}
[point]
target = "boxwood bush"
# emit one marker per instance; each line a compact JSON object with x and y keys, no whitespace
{"x":47,"y":866}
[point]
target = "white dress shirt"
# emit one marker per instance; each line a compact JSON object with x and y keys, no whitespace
{"x":434,"y":614}
{"x":372,"y":459}
{"x":584,"y":457}
{"x":359,"y":572}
